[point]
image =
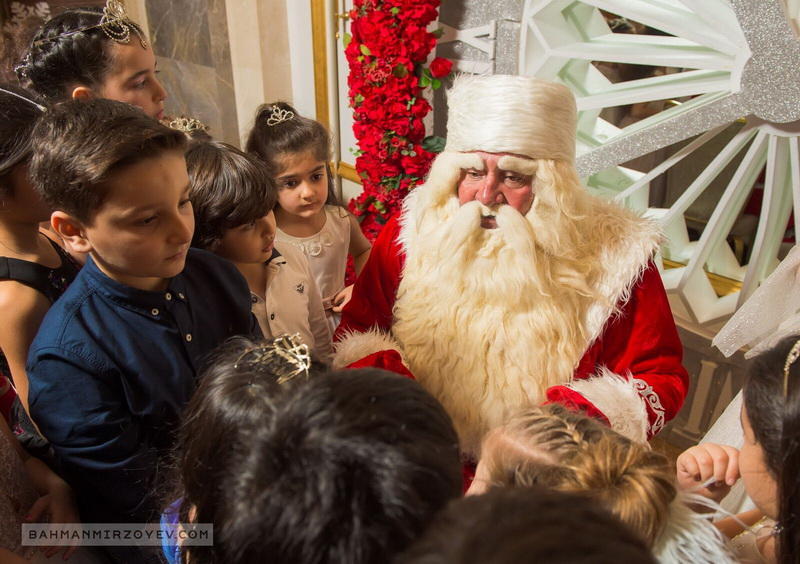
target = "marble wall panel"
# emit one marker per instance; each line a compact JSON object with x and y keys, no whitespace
{"x":179,"y":29}
{"x":190,"y":39}
{"x":196,"y":91}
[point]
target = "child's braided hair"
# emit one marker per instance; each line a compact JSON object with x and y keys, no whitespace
{"x":553,"y":447}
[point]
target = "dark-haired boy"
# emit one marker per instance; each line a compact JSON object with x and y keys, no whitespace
{"x":348,"y":467}
{"x":115,"y":359}
{"x":233,"y":196}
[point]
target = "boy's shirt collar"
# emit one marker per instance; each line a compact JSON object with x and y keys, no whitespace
{"x":134,"y":299}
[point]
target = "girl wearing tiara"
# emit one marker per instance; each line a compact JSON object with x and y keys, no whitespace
{"x":233,"y":404}
{"x":94,"y":52}
{"x":296,"y":150}
{"x":768,"y":462}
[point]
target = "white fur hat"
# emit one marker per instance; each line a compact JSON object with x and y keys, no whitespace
{"x":511,"y":114}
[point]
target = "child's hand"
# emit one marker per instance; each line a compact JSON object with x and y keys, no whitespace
{"x":705,"y":462}
{"x":56,"y":506}
{"x":340,"y":300}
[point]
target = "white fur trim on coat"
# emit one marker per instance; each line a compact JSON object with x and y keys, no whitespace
{"x":354,"y":346}
{"x":619,"y":400}
{"x":624,"y":260}
{"x":690,"y":536}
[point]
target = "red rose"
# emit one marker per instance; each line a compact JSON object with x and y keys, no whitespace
{"x":441,"y":67}
{"x":388,"y":101}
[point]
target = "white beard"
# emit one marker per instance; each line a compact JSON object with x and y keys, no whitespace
{"x":483,"y":321}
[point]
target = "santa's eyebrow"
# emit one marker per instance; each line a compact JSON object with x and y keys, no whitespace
{"x":466,"y":161}
{"x":519,"y":165}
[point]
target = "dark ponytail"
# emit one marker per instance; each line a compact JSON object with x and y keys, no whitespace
{"x":68,"y":50}
{"x":775,"y":419}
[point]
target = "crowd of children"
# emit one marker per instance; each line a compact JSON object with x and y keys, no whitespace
{"x":157,"y":380}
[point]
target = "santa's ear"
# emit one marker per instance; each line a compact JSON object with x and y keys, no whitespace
{"x":71,"y":231}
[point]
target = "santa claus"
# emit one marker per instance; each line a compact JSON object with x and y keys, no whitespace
{"x":504,"y":283}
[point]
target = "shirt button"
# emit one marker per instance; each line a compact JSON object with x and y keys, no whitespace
{"x":168,"y":296}
{"x":188,"y":337}
{"x":154,"y":311}
{"x":272,"y":316}
{"x":181,"y":296}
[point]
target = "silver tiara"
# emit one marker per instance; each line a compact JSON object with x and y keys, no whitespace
{"x":278,"y":115}
{"x":292,"y":355}
{"x":188,"y":125}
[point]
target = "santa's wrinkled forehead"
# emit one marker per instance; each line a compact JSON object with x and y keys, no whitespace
{"x":508,"y":162}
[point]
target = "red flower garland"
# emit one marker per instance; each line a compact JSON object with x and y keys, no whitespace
{"x":387,"y":51}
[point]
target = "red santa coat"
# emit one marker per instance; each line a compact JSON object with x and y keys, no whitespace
{"x":638,"y":342}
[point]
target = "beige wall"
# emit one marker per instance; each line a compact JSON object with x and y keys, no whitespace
{"x":238,"y":58}
{"x":277,"y":77}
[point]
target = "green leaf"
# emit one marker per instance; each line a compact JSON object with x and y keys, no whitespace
{"x":438,"y":33}
{"x":391,"y":182}
{"x":436,"y":83}
{"x":400,"y":71}
{"x":395,"y":11}
{"x":433,"y":144}
{"x":365,"y":50}
{"x":358,"y":98}
{"x":425,"y":80}
{"x":346,"y":39}
{"x":410,"y":103}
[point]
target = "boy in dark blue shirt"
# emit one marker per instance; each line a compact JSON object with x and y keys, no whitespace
{"x":115,"y":359}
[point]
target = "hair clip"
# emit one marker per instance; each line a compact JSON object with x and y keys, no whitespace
{"x":188,"y":125}
{"x":791,"y":358}
{"x":41,"y":108}
{"x":286,"y":356}
{"x":114,"y":23}
{"x":278,"y":115}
